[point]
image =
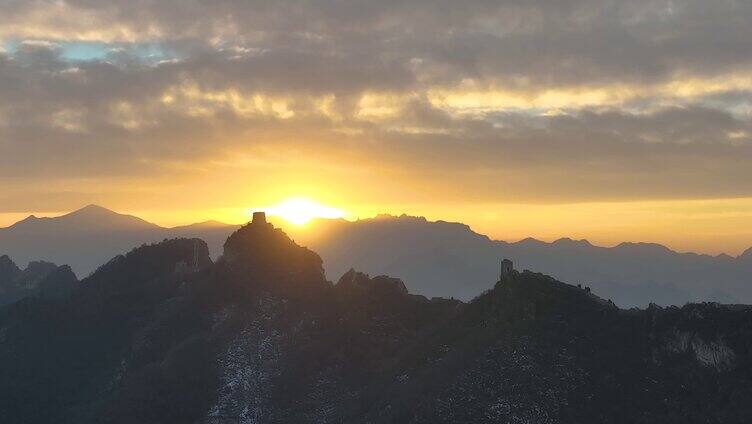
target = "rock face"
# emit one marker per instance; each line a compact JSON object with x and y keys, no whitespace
{"x":38,"y":279}
{"x":262,"y":337}
{"x":354,"y":281}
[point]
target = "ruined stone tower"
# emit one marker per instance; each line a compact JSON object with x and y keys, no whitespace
{"x":506,"y":269}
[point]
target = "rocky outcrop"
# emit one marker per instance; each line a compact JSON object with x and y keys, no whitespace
{"x":58,"y":284}
{"x":267,"y":253}
{"x":353,"y":280}
{"x":39,"y":278}
{"x":8,"y":269}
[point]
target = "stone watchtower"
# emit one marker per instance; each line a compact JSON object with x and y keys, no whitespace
{"x":259,"y":218}
{"x":506,"y":269}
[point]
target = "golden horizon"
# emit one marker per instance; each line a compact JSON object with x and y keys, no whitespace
{"x":701,"y":226}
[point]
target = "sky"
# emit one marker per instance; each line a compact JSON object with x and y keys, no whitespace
{"x":607,"y":120}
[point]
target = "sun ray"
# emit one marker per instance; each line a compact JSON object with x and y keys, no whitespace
{"x":300,"y":210}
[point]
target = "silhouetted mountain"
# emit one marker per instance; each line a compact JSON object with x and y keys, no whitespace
{"x":88,"y":237}
{"x":38,"y":279}
{"x":162,"y":335}
{"x":746,"y":255}
{"x":8,"y":269}
{"x":435,"y":258}
{"x":449,"y":259}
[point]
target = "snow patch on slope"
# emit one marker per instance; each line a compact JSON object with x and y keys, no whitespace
{"x":247,"y":365}
{"x":716,"y":353}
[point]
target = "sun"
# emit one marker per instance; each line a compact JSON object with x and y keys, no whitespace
{"x":300,"y":210}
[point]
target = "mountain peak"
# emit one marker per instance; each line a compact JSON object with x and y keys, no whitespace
{"x":260,"y":247}
{"x":650,"y":248}
{"x":98,"y":216}
{"x":530,"y":241}
{"x":92,"y":210}
{"x":29,"y":220}
{"x":566,"y":241}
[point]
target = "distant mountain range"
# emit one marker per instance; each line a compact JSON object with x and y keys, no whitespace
{"x":164,"y":335}
{"x":449,"y":259}
{"x":434,"y":258}
{"x":89,"y":237}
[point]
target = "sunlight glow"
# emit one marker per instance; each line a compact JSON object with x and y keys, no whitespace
{"x":299,"y":211}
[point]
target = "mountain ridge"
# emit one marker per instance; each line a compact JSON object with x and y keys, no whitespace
{"x":211,"y":223}
{"x":261,"y":336}
{"x":437,"y":258}
{"x":632,"y":274}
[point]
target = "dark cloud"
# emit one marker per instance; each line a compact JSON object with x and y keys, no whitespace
{"x":548,"y":42}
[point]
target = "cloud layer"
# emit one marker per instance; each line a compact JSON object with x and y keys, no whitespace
{"x":487,"y":101}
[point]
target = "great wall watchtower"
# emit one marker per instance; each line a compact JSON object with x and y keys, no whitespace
{"x":506,"y":269}
{"x":259,"y":218}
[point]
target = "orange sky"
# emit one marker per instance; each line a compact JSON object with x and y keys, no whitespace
{"x":707,"y":226}
{"x":627,"y":121}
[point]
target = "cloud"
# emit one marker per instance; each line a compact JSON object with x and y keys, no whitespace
{"x":500,"y":101}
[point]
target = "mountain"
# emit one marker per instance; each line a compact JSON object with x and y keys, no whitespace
{"x":163,"y":335}
{"x":38,"y":279}
{"x":435,"y":258}
{"x":746,"y":255}
{"x":449,"y":259}
{"x":88,"y":237}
